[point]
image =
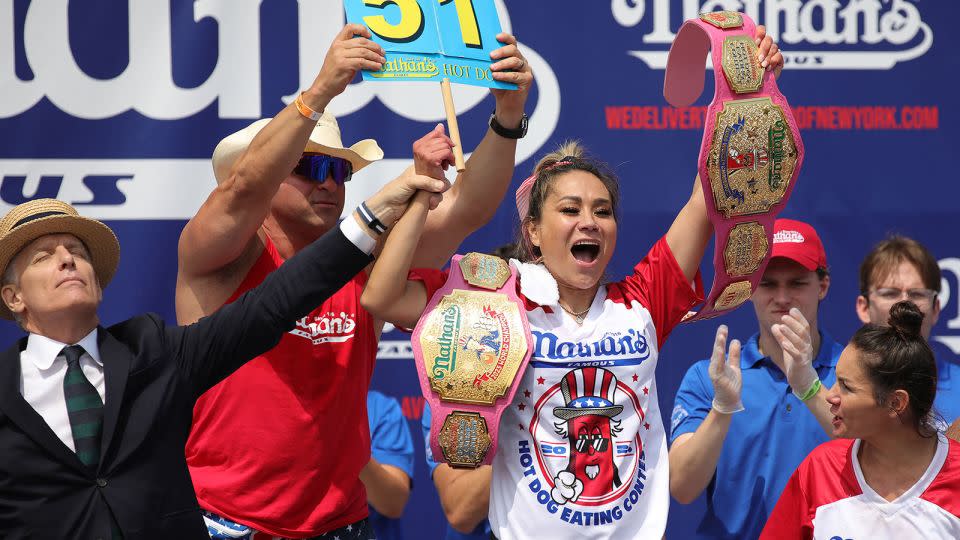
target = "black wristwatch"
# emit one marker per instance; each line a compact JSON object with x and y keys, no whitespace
{"x":507,"y":133}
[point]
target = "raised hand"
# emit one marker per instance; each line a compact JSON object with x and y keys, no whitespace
{"x":725,"y":374}
{"x":346,"y":55}
{"x":391,"y":201}
{"x":770,"y":56}
{"x":796,"y":341}
{"x":510,"y":66}
{"x":433,"y":153}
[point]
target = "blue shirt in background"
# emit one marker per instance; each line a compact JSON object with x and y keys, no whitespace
{"x":947,"y":402}
{"x":765,"y":443}
{"x":390,"y":444}
{"x":482,"y":531}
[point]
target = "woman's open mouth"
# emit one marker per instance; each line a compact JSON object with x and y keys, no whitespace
{"x":585,"y":251}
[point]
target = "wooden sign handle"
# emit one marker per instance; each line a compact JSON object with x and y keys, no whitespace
{"x":452,"y":125}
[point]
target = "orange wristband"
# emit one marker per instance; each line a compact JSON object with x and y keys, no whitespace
{"x":306,"y":111}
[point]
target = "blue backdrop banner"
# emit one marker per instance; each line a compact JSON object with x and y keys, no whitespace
{"x":116,"y":105}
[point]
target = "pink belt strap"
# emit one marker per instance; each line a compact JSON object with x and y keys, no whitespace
{"x":471,"y":347}
{"x":751,"y":152}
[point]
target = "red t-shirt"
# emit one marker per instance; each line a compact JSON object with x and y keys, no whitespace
{"x":279,"y":445}
{"x":827,"y":497}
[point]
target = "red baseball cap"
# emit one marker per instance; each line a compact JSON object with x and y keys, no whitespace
{"x":798,"y":242}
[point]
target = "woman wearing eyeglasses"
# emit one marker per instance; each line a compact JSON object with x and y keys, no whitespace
{"x":890,"y":474}
{"x":900,"y":268}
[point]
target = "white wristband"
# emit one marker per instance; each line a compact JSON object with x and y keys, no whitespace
{"x":351,"y":229}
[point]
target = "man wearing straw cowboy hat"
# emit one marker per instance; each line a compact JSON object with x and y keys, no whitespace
{"x":93,"y":420}
{"x":283,"y":446}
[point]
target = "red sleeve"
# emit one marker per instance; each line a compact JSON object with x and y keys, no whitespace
{"x":944,"y":491}
{"x":659,"y":285}
{"x":791,"y":517}
{"x":431,"y":278}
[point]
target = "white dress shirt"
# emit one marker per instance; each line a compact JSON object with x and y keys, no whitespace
{"x":42,"y":369}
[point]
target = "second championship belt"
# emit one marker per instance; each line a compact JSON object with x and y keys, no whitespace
{"x":471,"y":347}
{"x":751,"y":152}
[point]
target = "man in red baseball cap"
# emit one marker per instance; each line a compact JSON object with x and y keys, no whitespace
{"x":743,"y":461}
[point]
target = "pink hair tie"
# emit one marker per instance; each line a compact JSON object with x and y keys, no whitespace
{"x":523,"y":192}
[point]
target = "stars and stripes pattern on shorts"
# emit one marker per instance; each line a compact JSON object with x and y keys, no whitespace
{"x":84,"y":408}
{"x":221,"y":528}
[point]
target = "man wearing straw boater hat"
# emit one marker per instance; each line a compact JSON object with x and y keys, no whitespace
{"x":283,"y":446}
{"x":93,"y":420}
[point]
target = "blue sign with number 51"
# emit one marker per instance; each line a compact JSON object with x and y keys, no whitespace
{"x":430,"y":40}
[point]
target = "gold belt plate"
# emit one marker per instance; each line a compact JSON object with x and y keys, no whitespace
{"x":464,"y":439}
{"x":741,"y":64}
{"x":752,"y":157}
{"x":733,"y":295}
{"x":746,"y":247}
{"x":485,"y":271}
{"x":723,"y":19}
{"x":473,"y":345}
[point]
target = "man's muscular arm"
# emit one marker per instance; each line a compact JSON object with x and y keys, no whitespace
{"x":227,"y":223}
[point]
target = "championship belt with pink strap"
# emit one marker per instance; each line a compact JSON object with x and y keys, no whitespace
{"x":471,"y":347}
{"x":751,"y":152}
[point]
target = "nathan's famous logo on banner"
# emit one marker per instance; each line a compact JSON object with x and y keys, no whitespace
{"x":813,"y":34}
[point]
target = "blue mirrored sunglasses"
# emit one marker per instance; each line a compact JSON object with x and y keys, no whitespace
{"x":317,"y":167}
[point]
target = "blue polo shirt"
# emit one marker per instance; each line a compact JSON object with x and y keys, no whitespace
{"x":390,"y":444}
{"x":482,"y":531}
{"x":947,"y":402}
{"x":765,"y":443}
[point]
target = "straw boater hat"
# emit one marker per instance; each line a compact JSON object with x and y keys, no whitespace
{"x":26,"y":222}
{"x":325,"y":139}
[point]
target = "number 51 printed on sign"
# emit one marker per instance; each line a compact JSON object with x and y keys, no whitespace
{"x":431,"y":40}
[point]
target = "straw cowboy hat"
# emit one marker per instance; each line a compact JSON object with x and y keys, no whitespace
{"x":26,"y":222}
{"x":325,"y":139}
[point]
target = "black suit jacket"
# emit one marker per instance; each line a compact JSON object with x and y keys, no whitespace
{"x":153,"y":375}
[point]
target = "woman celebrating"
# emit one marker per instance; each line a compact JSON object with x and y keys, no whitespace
{"x":891,"y":475}
{"x":582,"y":450}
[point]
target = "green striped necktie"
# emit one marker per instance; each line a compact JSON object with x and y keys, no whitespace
{"x":84,"y":408}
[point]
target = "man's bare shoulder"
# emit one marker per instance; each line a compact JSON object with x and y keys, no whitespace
{"x":198,"y":295}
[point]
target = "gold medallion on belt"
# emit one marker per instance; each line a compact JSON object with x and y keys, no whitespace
{"x":464,"y":439}
{"x":723,"y":19}
{"x":746,"y":247}
{"x":752,"y":157}
{"x":473,"y":346}
{"x":741,"y":64}
{"x":733,"y":295}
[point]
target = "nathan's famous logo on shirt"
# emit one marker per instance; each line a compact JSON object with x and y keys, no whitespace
{"x":626,"y":343}
{"x":586,"y":450}
{"x":326,"y":327}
